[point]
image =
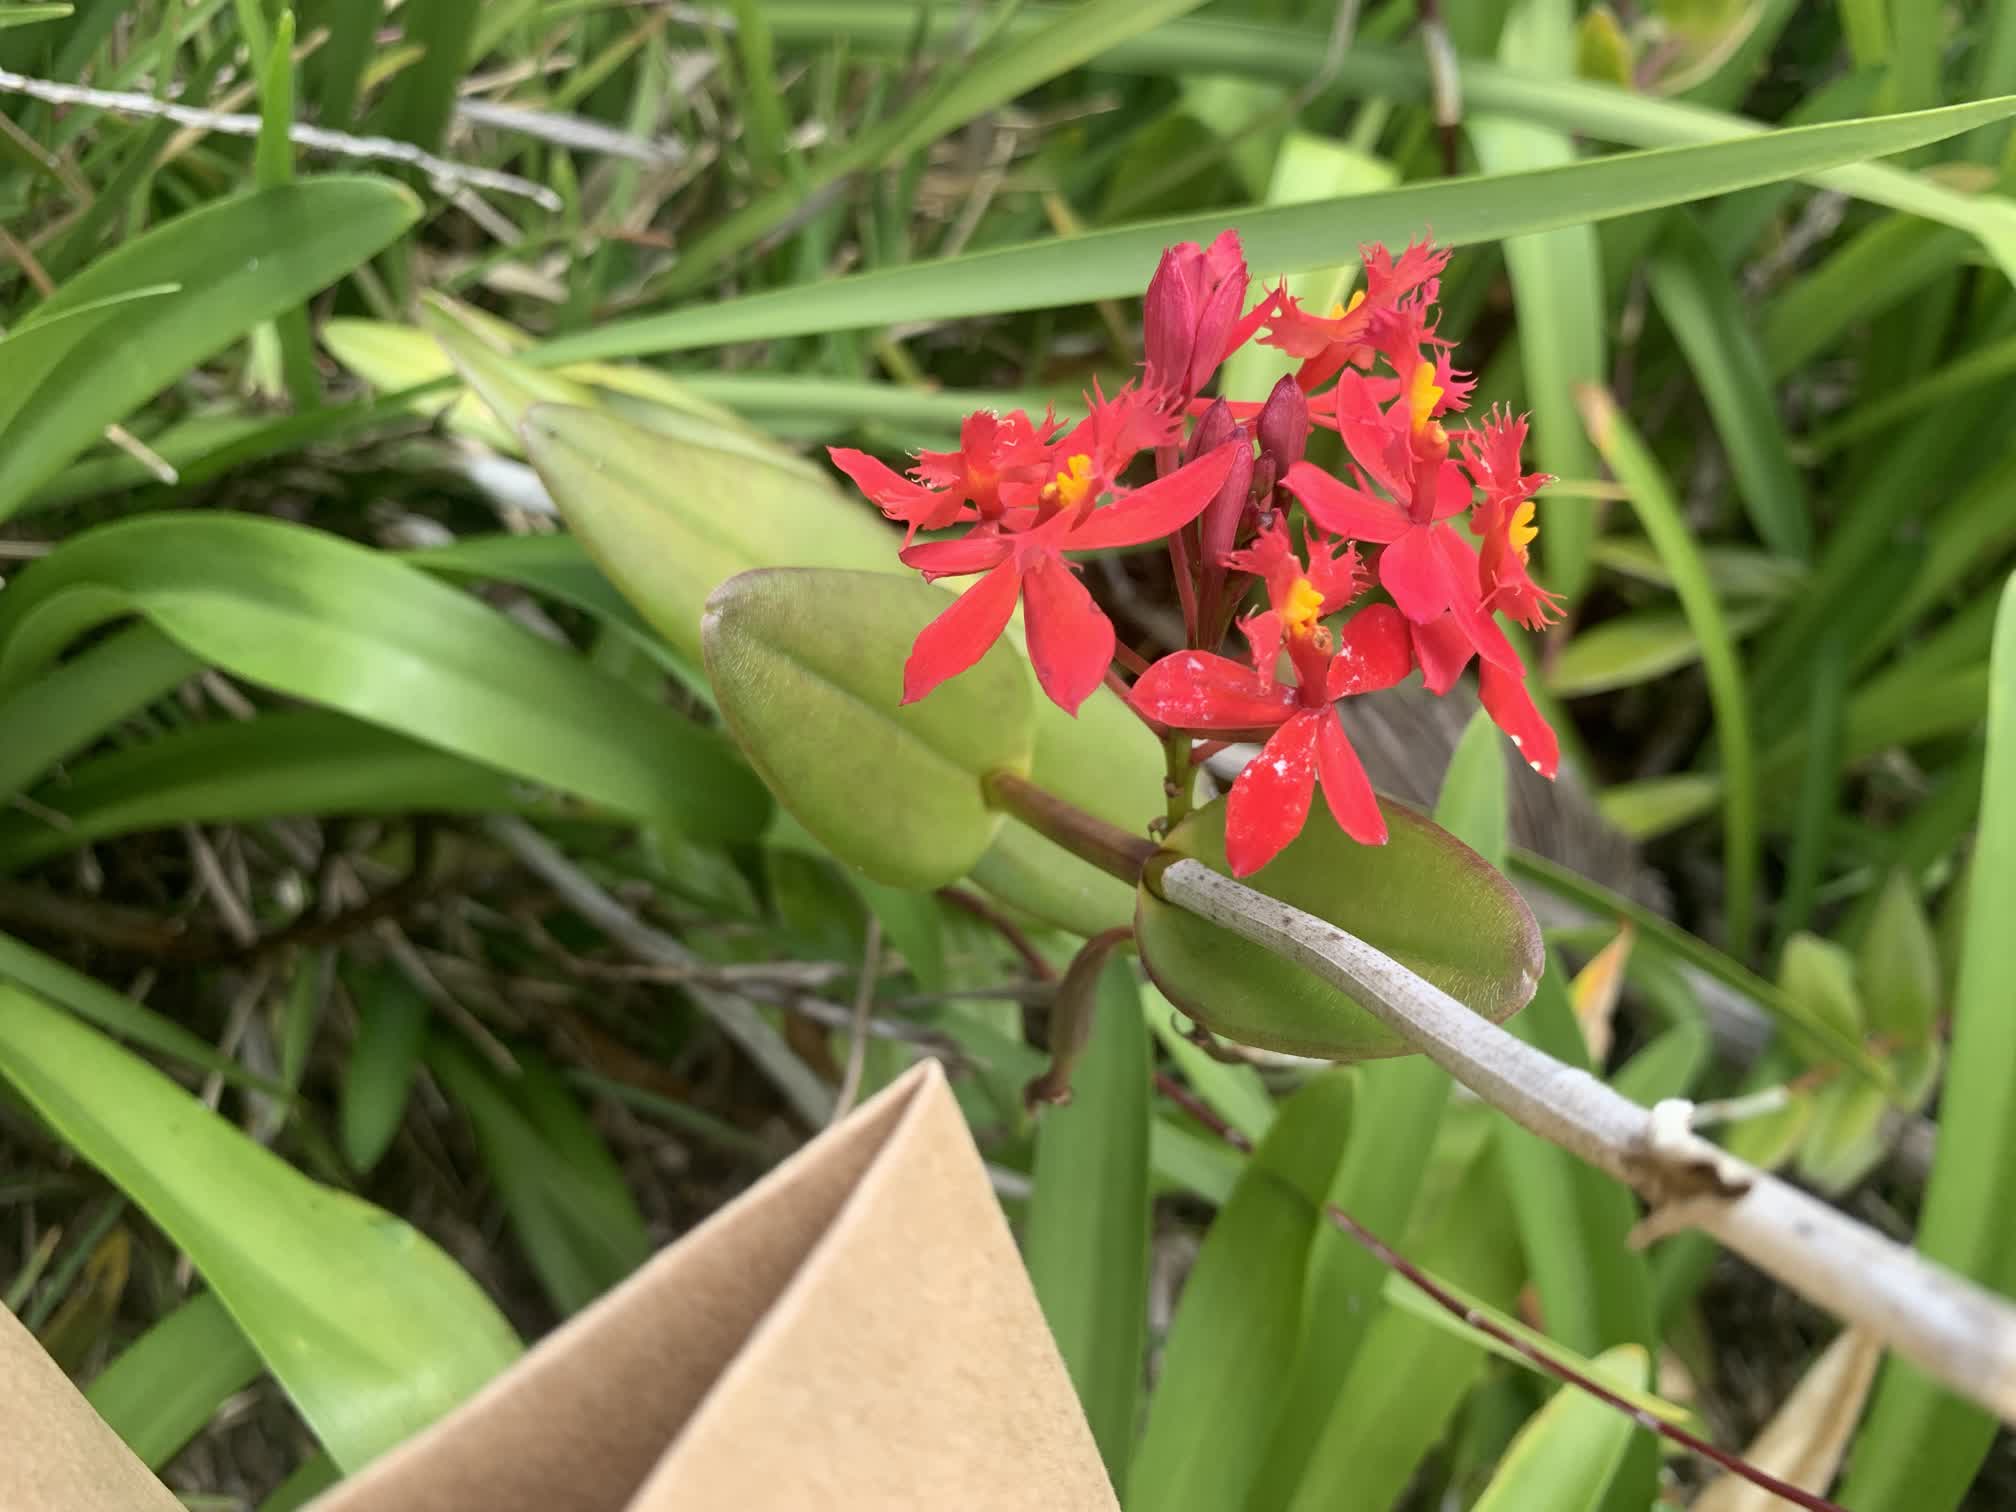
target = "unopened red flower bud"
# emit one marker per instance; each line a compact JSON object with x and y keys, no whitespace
{"x":1214,"y":429}
{"x":1283,"y":425}
{"x":1191,"y":310}
{"x":1219,"y":524}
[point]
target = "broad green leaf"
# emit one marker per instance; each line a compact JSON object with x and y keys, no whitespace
{"x":807,"y":664}
{"x":1557,"y":284}
{"x":164,"y":1386}
{"x":1474,"y":804}
{"x":1117,"y":264}
{"x":1738,"y":572}
{"x":1659,"y":513}
{"x":68,"y":707}
{"x":1632,"y":649}
{"x":235,"y":262}
{"x":1399,"y":1292}
{"x":1820,"y":977}
{"x":1409,"y":1376}
{"x":1086,"y":1243}
{"x":1226,"y":1364}
{"x":1564,"y":1458}
{"x":648,"y":507}
{"x":384,"y":1060}
{"x":1845,"y":1139}
{"x":1898,"y":966}
{"x":1920,"y":1446}
{"x":324,"y":619}
{"x":309,"y":761}
{"x":1658,"y":805}
{"x":566,"y":1200}
{"x":1701,"y":307}
{"x":669,"y":521}
{"x":394,"y":358}
{"x":29,"y":354}
{"x":372,"y":1330}
{"x":94,"y":1002}
{"x":1423,"y":898}
{"x":1573,"y":1221}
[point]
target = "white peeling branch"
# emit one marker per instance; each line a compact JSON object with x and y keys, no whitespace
{"x":445,"y":173}
{"x":1955,"y":1331}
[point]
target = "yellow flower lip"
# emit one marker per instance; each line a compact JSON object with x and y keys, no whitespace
{"x":1304,"y":607}
{"x":1520,"y":530}
{"x":1423,"y":394}
{"x":1073,"y":485}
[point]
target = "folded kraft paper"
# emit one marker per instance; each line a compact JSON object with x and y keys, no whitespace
{"x":855,"y":1331}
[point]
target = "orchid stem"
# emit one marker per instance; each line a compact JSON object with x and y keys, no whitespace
{"x":1181,"y":782}
{"x":1089,"y":838}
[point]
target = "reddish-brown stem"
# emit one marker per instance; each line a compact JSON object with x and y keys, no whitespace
{"x":1129,"y":658}
{"x":1562,"y":1371}
{"x":1200,"y":1110}
{"x":1087,"y":837}
{"x":1006,"y":927}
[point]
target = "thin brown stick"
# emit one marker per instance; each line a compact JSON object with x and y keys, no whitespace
{"x":857,"y":1026}
{"x":1428,"y":1286}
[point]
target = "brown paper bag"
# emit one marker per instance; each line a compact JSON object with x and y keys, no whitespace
{"x":855,"y":1331}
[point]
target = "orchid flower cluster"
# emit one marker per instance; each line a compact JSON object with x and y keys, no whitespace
{"x":1227,"y":478}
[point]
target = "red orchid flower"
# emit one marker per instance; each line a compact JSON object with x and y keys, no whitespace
{"x":1202,"y":692}
{"x":999,"y":463}
{"x":1071,"y":641}
{"x":1443,"y":649}
{"x":1329,"y":343}
{"x":1190,"y":315}
{"x":1425,"y":566}
{"x":1504,"y":520}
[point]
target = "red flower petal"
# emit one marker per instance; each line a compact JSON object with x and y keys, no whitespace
{"x":1459,"y":567}
{"x":1346,"y":789}
{"x":1452,"y":491}
{"x":1443,"y":651}
{"x":961,"y":635}
{"x":1197,"y":690}
{"x":1374,"y":651}
{"x":1070,"y":640}
{"x":1155,"y":510}
{"x":1270,"y":799}
{"x":1412,"y":570}
{"x":960,"y":558}
{"x":1343,"y":510}
{"x":1511,"y":709}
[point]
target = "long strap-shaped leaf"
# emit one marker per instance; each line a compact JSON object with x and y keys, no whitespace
{"x":1290,"y":238}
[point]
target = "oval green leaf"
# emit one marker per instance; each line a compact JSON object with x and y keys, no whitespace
{"x":1423,"y":898}
{"x":807,"y":665}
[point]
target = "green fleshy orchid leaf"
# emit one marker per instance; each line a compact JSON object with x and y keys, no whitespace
{"x":1424,"y":898}
{"x":671,"y":511}
{"x":807,"y":665}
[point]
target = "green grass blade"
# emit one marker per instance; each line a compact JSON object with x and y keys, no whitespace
{"x":1086,"y":1244}
{"x":1919,"y":1446}
{"x":372,"y":1330}
{"x":1705,"y":314}
{"x":1234,"y":1092}
{"x":1400,"y":72}
{"x":1659,"y":513}
{"x":169,"y":1382}
{"x":420,"y":101}
{"x":1117,"y":263}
